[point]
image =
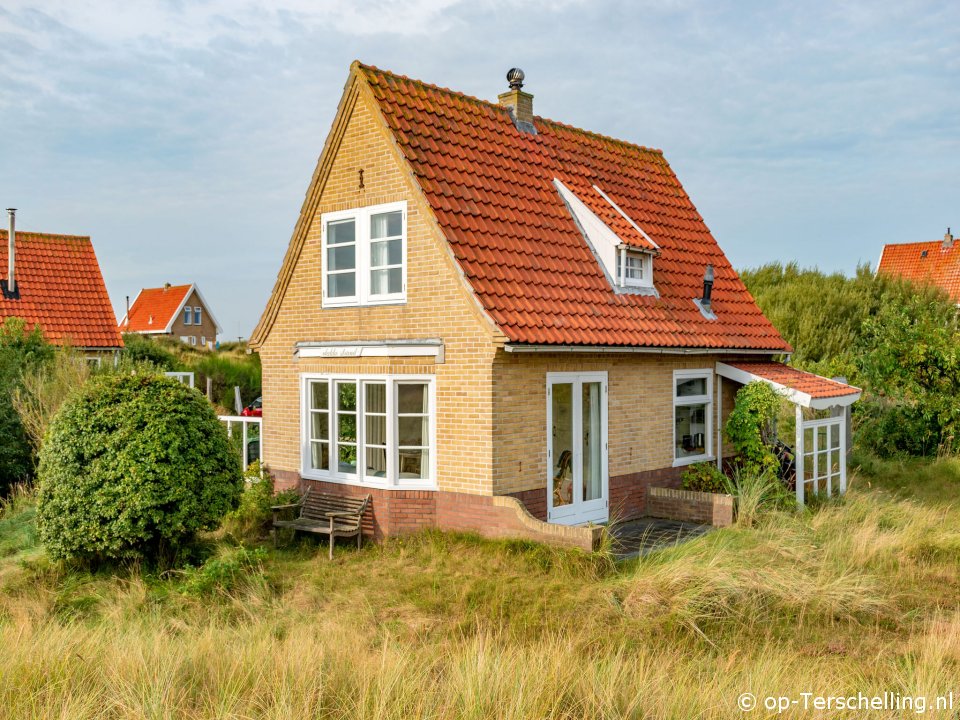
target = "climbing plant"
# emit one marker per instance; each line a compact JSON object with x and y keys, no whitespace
{"x":750,"y":427}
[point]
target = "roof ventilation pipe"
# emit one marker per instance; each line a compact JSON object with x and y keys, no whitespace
{"x":10,"y":288}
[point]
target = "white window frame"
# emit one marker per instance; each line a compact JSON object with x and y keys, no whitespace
{"x":646,"y":268}
{"x":197,"y":315}
{"x":187,"y":315}
{"x":706,"y":400}
{"x":203,"y":340}
{"x":363,"y":245}
{"x":193,"y":340}
{"x":392,"y":481}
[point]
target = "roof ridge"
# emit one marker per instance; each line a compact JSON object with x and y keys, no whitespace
{"x":496,"y":106}
{"x":52,"y":236}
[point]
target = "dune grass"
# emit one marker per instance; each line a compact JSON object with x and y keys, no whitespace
{"x":857,"y":595}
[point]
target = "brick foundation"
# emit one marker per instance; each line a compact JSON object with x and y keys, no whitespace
{"x":688,"y":506}
{"x":399,"y":512}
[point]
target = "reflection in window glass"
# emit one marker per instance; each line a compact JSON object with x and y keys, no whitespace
{"x":347,"y":428}
{"x":413,"y":431}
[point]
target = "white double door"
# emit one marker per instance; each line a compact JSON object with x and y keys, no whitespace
{"x":577,"y":479}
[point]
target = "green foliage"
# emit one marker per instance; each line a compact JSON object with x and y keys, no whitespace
{"x":21,"y":350}
{"x":139,"y":348}
{"x":750,"y":427}
{"x":756,"y":494}
{"x":252,"y":516}
{"x":703,"y":477}
{"x":133,"y":467}
{"x":909,"y":358}
{"x":227,"y":572}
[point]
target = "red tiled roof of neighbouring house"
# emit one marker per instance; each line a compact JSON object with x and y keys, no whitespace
{"x":155,"y":308}
{"x":491,"y":189}
{"x":815,"y":386}
{"x":935,"y":263}
{"x":60,"y":289}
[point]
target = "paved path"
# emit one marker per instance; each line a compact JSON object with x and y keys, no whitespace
{"x":639,"y":537}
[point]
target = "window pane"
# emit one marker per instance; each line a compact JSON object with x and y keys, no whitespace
{"x":347,"y":427}
{"x":347,"y":460}
{"x":319,"y":426}
{"x":186,"y":316}
{"x":386,"y":282}
{"x":320,"y":456}
{"x":386,"y":252}
{"x":691,"y":386}
{"x":342,"y":258}
{"x":376,"y":397}
{"x":376,"y":462}
{"x":342,"y":285}
{"x":412,"y":398}
{"x":346,"y":396}
{"x":375,"y":427}
{"x":691,"y":430}
{"x":319,"y":392}
{"x":341,"y":231}
{"x":413,"y":430}
{"x":196,"y":316}
{"x":414,"y":464}
{"x":386,"y":224}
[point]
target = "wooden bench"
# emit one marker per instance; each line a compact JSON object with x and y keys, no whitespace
{"x":323,"y":514}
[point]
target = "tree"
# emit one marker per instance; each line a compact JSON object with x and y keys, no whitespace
{"x":133,"y":467}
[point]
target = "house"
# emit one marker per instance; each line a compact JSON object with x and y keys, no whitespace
{"x":54,"y":281}
{"x":178,"y":311}
{"x":492,"y":321}
{"x":930,"y":263}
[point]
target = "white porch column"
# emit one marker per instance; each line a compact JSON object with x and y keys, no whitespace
{"x":798,"y":456}
{"x":719,"y":448}
{"x":844,"y":445}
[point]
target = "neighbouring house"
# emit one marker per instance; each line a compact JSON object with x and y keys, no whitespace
{"x":178,"y":311}
{"x":492,"y":321}
{"x":54,"y":281}
{"x":928,"y":263}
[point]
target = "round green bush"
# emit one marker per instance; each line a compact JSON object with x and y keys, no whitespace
{"x":132,"y":468}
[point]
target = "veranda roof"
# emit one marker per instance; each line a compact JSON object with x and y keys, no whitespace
{"x":801,"y":388}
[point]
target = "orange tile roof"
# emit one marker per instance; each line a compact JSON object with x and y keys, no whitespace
{"x":491,"y":189}
{"x":154,"y":308}
{"x":815,"y":386}
{"x":924,"y":262}
{"x":61,"y":290}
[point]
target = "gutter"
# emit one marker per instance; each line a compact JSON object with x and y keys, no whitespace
{"x":524,"y":348}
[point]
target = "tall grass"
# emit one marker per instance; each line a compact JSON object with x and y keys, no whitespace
{"x":859,"y":595}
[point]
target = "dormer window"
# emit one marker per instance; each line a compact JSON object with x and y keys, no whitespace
{"x":634,"y":268}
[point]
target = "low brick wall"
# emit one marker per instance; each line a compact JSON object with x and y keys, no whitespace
{"x":399,"y":512}
{"x":689,"y":506}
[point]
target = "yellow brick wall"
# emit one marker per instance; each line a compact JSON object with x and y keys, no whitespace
{"x":640,"y":411}
{"x":438,"y":306}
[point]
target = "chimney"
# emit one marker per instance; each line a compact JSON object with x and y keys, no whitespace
{"x":127,"y":316}
{"x":947,"y":240}
{"x":9,"y":289}
{"x":519,"y":103}
{"x":707,"y":287}
{"x":166,"y":286}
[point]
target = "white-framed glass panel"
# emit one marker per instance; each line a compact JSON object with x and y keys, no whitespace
{"x":369,"y":430}
{"x":346,"y":428}
{"x":634,"y":269}
{"x":203,"y":340}
{"x":197,"y":315}
{"x":692,"y":416}
{"x":188,"y":315}
{"x":413,"y":431}
{"x":318,"y":424}
{"x":364,"y":255}
{"x":341,"y":259}
{"x":193,"y":339}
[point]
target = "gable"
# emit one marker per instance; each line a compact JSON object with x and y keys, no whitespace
{"x":61,"y":290}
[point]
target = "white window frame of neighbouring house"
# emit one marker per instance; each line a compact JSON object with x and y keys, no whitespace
{"x":683,"y":404}
{"x":315,"y":431}
{"x":366,"y":262}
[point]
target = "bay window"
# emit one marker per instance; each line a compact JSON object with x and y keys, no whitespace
{"x":692,"y":426}
{"x":369,"y":430}
{"x":364,"y":255}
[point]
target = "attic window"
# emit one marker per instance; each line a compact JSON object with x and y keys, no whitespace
{"x":634,"y":268}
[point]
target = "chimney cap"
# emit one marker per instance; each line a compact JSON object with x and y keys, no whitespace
{"x":515,"y":77}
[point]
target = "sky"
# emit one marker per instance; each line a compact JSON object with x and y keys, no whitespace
{"x":181,"y":136}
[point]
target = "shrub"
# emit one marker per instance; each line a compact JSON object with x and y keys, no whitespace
{"x":45,"y":388}
{"x":133,"y":467}
{"x":750,"y":427}
{"x":226,"y":573}
{"x":143,"y":349}
{"x":703,"y":477}
{"x":252,"y":516}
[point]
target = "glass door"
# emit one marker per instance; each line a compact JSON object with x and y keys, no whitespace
{"x":577,"y":482}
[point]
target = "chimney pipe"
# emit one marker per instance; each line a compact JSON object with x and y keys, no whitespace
{"x":707,"y":287}
{"x":127,"y":316}
{"x":12,"y":253}
{"x":518,"y":102}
